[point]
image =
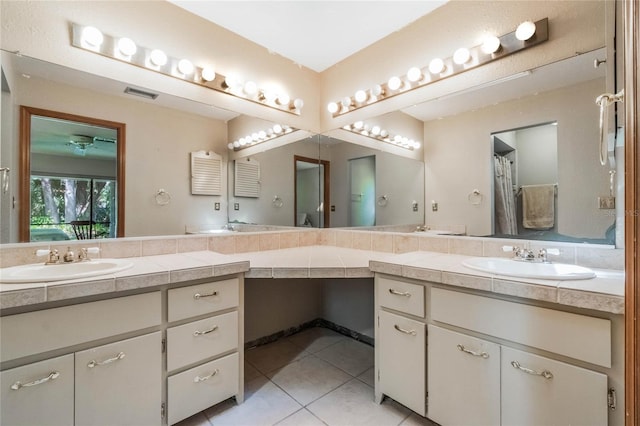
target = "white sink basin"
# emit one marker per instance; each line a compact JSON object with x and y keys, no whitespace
{"x":525,"y":269}
{"x":39,"y":272}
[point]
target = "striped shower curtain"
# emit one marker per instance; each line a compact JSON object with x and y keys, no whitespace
{"x":505,"y":203}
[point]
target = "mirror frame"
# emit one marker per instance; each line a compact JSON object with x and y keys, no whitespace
{"x":25,"y":164}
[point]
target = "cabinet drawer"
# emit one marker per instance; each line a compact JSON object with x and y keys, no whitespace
{"x":201,"y":387}
{"x":568,"y":395}
{"x":41,"y":331}
{"x":48,"y":403}
{"x":577,"y":336}
{"x":463,"y":379}
{"x":197,"y":340}
{"x":120,"y":383}
{"x":401,"y":296}
{"x":203,"y":299}
{"x":402,"y":358}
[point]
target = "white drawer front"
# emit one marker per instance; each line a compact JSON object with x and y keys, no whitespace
{"x":568,"y":395}
{"x":41,"y":331}
{"x":401,"y":296}
{"x":44,"y":394}
{"x":201,"y":299}
{"x":577,"y":336}
{"x":197,"y":340}
{"x":201,"y":387}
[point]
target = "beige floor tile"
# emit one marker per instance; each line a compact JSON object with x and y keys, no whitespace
{"x":349,"y":355}
{"x":316,"y":339}
{"x":416,"y":420}
{"x":197,"y":420}
{"x":301,"y":418}
{"x":352,"y":404}
{"x":274,"y":355}
{"x":250,"y":372}
{"x":264,"y":404}
{"x":368,"y":377}
{"x":308,"y":379}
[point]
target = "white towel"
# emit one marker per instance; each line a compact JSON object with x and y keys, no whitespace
{"x":538,"y":206}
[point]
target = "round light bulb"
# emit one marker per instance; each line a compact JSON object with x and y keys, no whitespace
{"x":397,"y":138}
{"x":283,"y":99}
{"x":461,"y":56}
{"x":394,"y":83}
{"x":384,"y":133}
{"x":262,"y":134}
{"x":185,"y":67}
{"x":92,"y":36}
{"x":376,"y":90}
{"x":236,"y":144}
{"x":298,"y":103}
{"x":491,"y":44}
{"x":436,"y":66}
{"x":230,"y":145}
{"x":269,"y":132}
{"x":358,"y":125}
{"x":525,"y":31}
{"x":243,"y":141}
{"x":346,"y":102}
{"x":277,"y":129}
{"x":332,"y":107}
{"x":231,"y":82}
{"x":416,"y":144}
{"x":127,"y":47}
{"x":254,"y":136}
{"x":250,"y":88}
{"x":414,"y":74}
{"x":158,"y":57}
{"x":208,"y":74}
{"x":375,"y":130}
{"x":360,"y":96}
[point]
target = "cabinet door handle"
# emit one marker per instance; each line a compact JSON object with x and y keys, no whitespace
{"x":199,"y":379}
{"x":544,"y":373}
{"x":198,"y":295}
{"x":474,"y":353}
{"x":94,"y":363}
{"x":52,"y":376}
{"x":402,"y":330}
{"x":400,"y":293}
{"x":200,"y":333}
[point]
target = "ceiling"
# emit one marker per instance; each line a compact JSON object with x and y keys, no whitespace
{"x":315,"y":34}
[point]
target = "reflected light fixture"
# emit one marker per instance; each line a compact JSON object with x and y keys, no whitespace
{"x":527,"y":34}
{"x":376,"y":132}
{"x":361,"y":96}
{"x":123,"y":49}
{"x":260,"y":136}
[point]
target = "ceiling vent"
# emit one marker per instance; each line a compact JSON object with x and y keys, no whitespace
{"x":141,"y":93}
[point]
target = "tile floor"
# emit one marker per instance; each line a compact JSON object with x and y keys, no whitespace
{"x":315,"y":377}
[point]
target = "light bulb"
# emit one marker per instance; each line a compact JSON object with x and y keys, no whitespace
{"x":525,"y":31}
{"x":332,"y":107}
{"x":277,"y":129}
{"x":416,"y":144}
{"x":360,"y":96}
{"x":414,"y":74}
{"x":230,"y":145}
{"x":269,"y":96}
{"x":461,"y":56}
{"x":394,"y":83}
{"x":236,"y":144}
{"x":243,"y":141}
{"x":346,"y":102}
{"x":491,"y":44}
{"x":208,"y":74}
{"x":92,"y":36}
{"x":127,"y":47}
{"x":254,"y":136}
{"x":358,"y":125}
{"x":375,"y":130}
{"x":377,"y":90}
{"x":397,"y":139}
{"x":185,"y":67}
{"x":231,"y":82}
{"x":436,"y":66}
{"x":158,"y":57}
{"x":250,"y":88}
{"x":384,"y":133}
{"x":283,"y":99}
{"x":262,"y":134}
{"x":298,"y":103}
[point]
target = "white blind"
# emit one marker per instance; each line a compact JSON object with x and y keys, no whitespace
{"x":247,"y":178}
{"x":206,"y":173}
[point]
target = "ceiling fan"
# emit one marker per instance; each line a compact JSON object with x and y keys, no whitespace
{"x":80,"y":143}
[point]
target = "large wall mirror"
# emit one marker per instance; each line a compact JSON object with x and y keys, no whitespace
{"x":72,"y":176}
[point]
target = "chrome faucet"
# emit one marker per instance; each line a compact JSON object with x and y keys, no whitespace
{"x":53,"y":256}
{"x":529,"y":256}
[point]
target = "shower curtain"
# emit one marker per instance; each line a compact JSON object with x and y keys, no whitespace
{"x":505,"y":203}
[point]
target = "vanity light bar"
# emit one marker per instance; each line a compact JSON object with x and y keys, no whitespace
{"x":125,"y":50}
{"x":379,"y":134}
{"x":528,"y":34}
{"x":261,"y":136}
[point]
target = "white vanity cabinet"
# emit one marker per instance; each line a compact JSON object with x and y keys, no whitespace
{"x":209,"y":347}
{"x":401,"y":343}
{"x":120,"y":383}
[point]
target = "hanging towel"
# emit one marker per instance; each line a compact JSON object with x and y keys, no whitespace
{"x":538,"y":206}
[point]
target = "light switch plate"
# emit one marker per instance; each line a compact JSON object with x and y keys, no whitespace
{"x":216,"y":206}
{"x":607,"y":203}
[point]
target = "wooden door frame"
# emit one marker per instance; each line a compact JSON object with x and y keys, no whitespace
{"x":326,"y":212}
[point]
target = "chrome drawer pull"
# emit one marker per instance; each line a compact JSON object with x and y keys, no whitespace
{"x":544,"y":373}
{"x":198,"y":379}
{"x":474,"y":353}
{"x":200,"y":333}
{"x":400,"y":293}
{"x":402,"y":330}
{"x":52,"y":376}
{"x":94,"y":363}
{"x":198,"y":295}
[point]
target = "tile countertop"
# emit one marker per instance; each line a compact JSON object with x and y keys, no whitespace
{"x":603,"y":293}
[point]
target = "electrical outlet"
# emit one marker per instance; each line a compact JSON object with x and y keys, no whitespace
{"x":216,"y":206}
{"x":236,"y":206}
{"x":414,"y":205}
{"x":333,"y":208}
{"x":607,"y":203}
{"x":434,"y":206}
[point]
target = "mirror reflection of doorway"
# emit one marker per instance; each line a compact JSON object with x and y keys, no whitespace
{"x":362,"y":189}
{"x":311,"y":192}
